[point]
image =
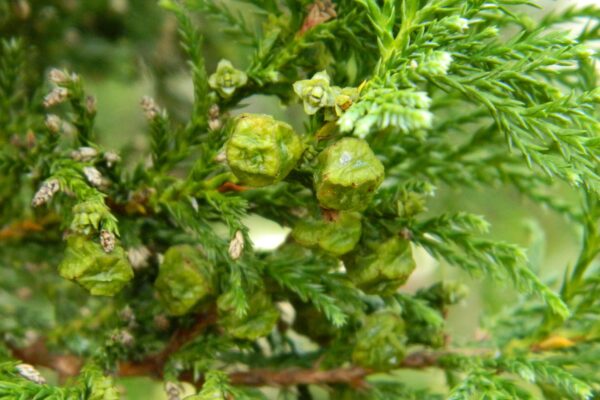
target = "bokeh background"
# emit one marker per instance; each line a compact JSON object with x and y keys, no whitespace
{"x":126,"y":49}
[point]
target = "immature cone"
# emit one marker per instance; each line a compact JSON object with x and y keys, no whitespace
{"x":383,"y":269}
{"x":348,"y":175}
{"x":185,"y":277}
{"x":261,"y":150}
{"x":86,"y":262}
{"x":260,"y":319}
{"x":380,"y":342}
{"x":338,"y":236}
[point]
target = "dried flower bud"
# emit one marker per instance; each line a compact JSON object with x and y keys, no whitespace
{"x":318,"y":12}
{"x":344,"y":98}
{"x":84,"y":154}
{"x":150,"y":108}
{"x":227,"y":79}
{"x":161,"y":322}
{"x":21,"y":9}
{"x":348,"y":175}
{"x":55,"y":97}
{"x":45,"y":192}
{"x":58,"y":77}
{"x":30,"y":373}
{"x":107,"y":240}
{"x":261,"y":150}
{"x":138,"y":256}
{"x":53,"y":123}
{"x":236,"y":246}
{"x":127,"y":315}
{"x":93,"y":176}
{"x":90,"y":105}
{"x":214,"y":111}
{"x":316,"y":92}
{"x":24,"y":293}
{"x":111,"y":158}
{"x":123,"y":337}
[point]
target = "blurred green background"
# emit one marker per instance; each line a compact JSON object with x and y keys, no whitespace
{"x":126,"y":49}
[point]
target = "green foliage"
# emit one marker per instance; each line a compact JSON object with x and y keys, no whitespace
{"x":404,"y":104}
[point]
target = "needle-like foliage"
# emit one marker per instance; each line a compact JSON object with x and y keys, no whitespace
{"x":142,"y":262}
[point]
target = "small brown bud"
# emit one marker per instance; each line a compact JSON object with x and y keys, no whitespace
{"x":45,"y":192}
{"x":150,"y":108}
{"x":123,"y":337}
{"x":161,"y":322}
{"x":214,"y":122}
{"x":55,"y":97}
{"x":318,"y":12}
{"x":21,"y":9}
{"x":127,"y":315}
{"x":107,"y":240}
{"x":30,"y":139}
{"x":24,"y":293}
{"x":90,"y":105}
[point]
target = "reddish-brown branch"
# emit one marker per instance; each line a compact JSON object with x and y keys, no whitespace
{"x":353,"y":376}
{"x":67,"y":365}
{"x":19,"y":229}
{"x":231,"y":187}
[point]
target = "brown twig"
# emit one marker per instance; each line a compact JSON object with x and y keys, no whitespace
{"x":67,"y":365}
{"x":231,"y":187}
{"x":353,"y":376}
{"x":152,"y":366}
